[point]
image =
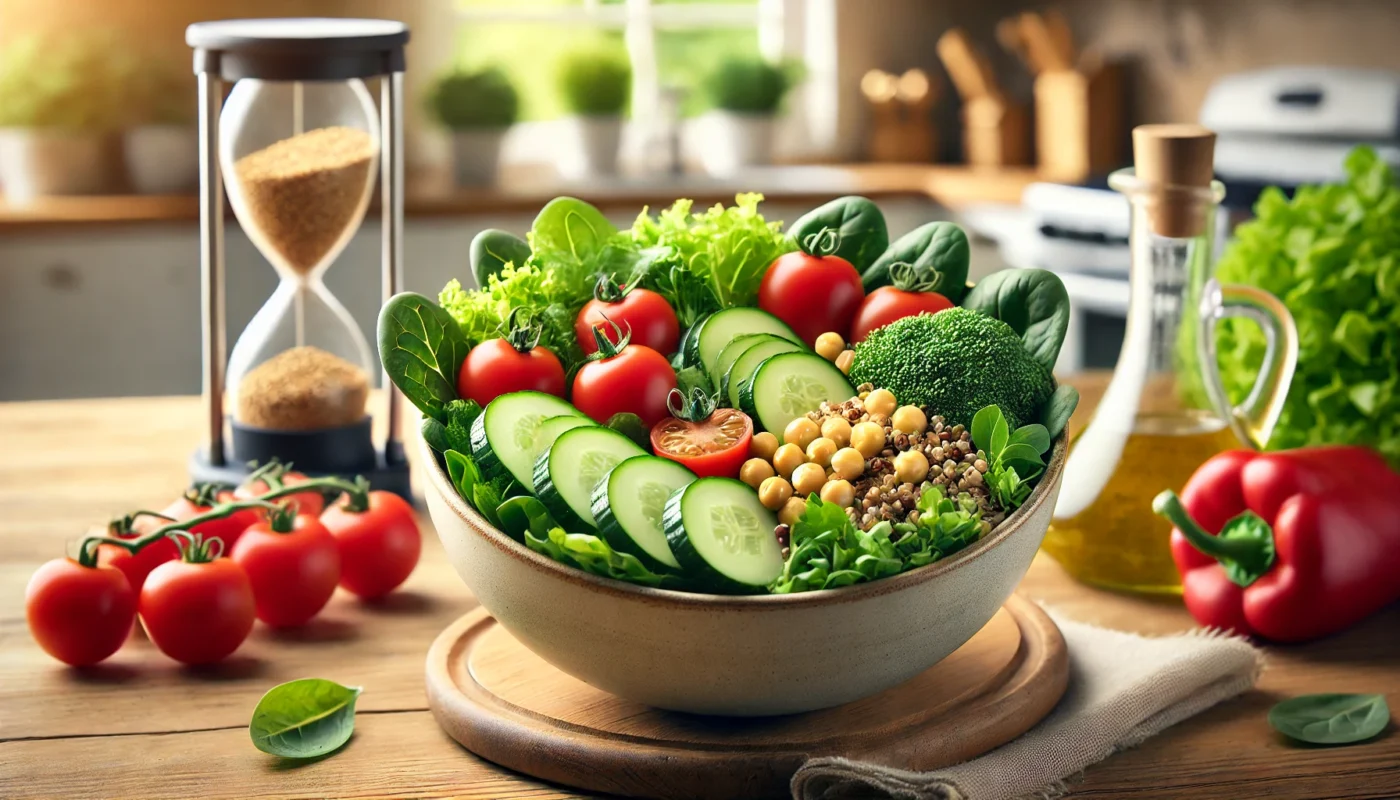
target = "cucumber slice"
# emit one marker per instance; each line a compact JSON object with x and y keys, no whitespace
{"x":725,"y":326}
{"x":506,"y":438}
{"x":747,"y":363}
{"x":788,"y":385}
{"x":723,"y":536}
{"x":566,"y":473}
{"x":628,"y":505}
{"x":733,"y":350}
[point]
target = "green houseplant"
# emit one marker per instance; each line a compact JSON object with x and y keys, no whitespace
{"x":595,"y":85}
{"x":478,"y":107}
{"x":744,"y":95}
{"x":160,"y":143}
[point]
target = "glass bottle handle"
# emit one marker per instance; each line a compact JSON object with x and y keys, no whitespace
{"x":1253,"y":420}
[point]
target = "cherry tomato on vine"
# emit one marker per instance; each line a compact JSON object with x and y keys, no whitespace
{"x":79,"y":615}
{"x":812,"y":290}
{"x":513,"y":364}
{"x":379,"y":547}
{"x":623,"y":378}
{"x":310,"y":501}
{"x":293,"y":564}
{"x":200,"y":501}
{"x":198,"y":610}
{"x":136,"y":566}
{"x":711,"y":442}
{"x":647,"y":314}
{"x":906,"y":298}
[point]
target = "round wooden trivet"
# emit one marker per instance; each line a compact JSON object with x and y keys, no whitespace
{"x":508,"y":705}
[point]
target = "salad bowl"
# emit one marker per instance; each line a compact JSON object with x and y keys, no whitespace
{"x":739,"y":655}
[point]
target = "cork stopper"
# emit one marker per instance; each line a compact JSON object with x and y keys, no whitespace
{"x":1175,"y":163}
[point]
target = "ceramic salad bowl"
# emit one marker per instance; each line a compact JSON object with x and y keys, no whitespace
{"x":739,"y":655}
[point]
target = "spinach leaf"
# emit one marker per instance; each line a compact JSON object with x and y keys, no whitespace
{"x":435,"y":434}
{"x":304,"y":718}
{"x":1058,"y":409}
{"x":631,"y":426}
{"x":1033,"y":302}
{"x":422,"y":348}
{"x":1331,"y":718}
{"x":567,"y":226}
{"x":492,"y":249}
{"x":856,"y":220}
{"x":939,"y":254}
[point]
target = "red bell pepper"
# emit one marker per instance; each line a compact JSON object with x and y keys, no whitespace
{"x":1306,"y":542}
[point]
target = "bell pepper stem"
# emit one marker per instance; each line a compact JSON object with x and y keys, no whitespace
{"x":1245,"y":547}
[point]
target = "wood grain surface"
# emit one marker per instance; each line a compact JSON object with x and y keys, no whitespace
{"x":509,"y":706}
{"x":141,"y":726}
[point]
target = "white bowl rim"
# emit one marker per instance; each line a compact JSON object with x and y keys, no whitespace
{"x":859,"y":591}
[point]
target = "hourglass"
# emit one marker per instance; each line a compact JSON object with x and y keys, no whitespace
{"x":297,"y":144}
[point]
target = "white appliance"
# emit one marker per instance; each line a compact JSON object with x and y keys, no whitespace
{"x":1295,"y":125}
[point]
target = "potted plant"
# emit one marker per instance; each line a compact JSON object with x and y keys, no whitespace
{"x":478,"y":107}
{"x":58,"y":108}
{"x":595,"y":85}
{"x":744,"y":95}
{"x":161,"y":142}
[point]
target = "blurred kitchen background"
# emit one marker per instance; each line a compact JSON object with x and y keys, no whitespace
{"x":1003,"y":115}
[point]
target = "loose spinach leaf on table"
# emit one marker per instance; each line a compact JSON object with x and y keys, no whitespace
{"x":1331,"y":718}
{"x":304,"y":718}
{"x":856,"y":220}
{"x":422,"y":349}
{"x":939,"y":254}
{"x":1033,"y":302}
{"x":492,"y":249}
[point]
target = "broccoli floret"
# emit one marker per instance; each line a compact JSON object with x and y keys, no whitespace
{"x":955,"y":362}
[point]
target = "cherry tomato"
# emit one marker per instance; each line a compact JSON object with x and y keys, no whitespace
{"x":716,"y":446}
{"x":197,"y":612}
{"x":645,"y":313}
{"x":812,"y":294}
{"x":136,"y":566}
{"x":378,"y":548}
{"x":495,"y":367}
{"x":229,"y":528}
{"x":889,"y":303}
{"x":79,"y":615}
{"x":633,"y":380}
{"x":310,"y":501}
{"x":293,"y":573}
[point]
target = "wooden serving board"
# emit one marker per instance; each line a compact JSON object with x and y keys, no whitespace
{"x":508,"y":705}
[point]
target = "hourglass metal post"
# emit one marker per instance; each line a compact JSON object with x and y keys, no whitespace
{"x":391,"y":260}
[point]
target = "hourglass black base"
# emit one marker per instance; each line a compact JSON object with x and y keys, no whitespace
{"x":346,"y":452}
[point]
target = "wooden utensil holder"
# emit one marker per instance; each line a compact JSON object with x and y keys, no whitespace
{"x":1079,"y":124}
{"x":996,"y":132}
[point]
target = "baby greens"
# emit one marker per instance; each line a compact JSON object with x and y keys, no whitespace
{"x":1033,"y":302}
{"x":422,"y":350}
{"x":304,"y":718}
{"x":1014,"y":459}
{"x":527,"y":520}
{"x":939,"y":254}
{"x":492,"y":249}
{"x":1331,"y":718}
{"x":859,"y":226}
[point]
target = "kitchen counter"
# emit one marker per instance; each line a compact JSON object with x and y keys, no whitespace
{"x":525,"y":190}
{"x":141,"y":726}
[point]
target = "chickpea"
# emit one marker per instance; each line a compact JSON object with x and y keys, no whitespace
{"x":838,"y":430}
{"x":755,"y":471}
{"x":820,"y":451}
{"x":807,"y":479}
{"x":792,"y":510}
{"x":868,"y":438}
{"x":788,"y":458}
{"x":880,"y":401}
{"x":845,"y":360}
{"x":911,"y":467}
{"x":839,"y":492}
{"x":773,"y":492}
{"x":848,"y":463}
{"x":909,"y":419}
{"x":764,"y":445}
{"x":801,"y":432}
{"x":830,"y":345}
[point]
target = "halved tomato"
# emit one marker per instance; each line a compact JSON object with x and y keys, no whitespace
{"x":714,"y":444}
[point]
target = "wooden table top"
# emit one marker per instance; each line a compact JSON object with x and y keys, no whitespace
{"x":142,"y":726}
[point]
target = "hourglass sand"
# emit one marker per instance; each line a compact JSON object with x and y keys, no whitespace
{"x":297,"y":142}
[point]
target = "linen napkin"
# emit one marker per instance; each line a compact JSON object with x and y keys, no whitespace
{"x":1123,"y":688}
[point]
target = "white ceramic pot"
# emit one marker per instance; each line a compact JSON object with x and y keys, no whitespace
{"x":598,"y":140}
{"x":162,"y":159}
{"x":40,"y":162}
{"x":731,"y":141}
{"x":476,"y":155}
{"x":739,"y":656}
